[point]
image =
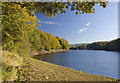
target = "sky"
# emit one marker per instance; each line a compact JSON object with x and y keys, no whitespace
{"x":83,"y":28}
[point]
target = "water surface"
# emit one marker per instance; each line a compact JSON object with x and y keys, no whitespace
{"x":104,"y":63}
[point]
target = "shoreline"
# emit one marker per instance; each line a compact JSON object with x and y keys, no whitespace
{"x":97,"y":50}
{"x":36,"y":70}
{"x":47,"y":52}
{"x":60,"y":73}
{"x":64,"y":50}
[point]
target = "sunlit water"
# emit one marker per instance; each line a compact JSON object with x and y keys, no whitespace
{"x":104,"y":63}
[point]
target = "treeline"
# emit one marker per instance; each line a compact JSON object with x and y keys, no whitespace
{"x":108,"y":46}
{"x":19,"y":24}
{"x":20,"y":33}
{"x":35,"y":40}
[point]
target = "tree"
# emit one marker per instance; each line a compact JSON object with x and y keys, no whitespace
{"x":19,"y":24}
{"x":16,"y":26}
{"x":53,"y":41}
{"x":64,"y":43}
{"x":51,"y":9}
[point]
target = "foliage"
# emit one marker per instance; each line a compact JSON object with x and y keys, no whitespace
{"x":15,"y":28}
{"x":20,"y":32}
{"x":64,"y":43}
{"x":53,"y":42}
{"x":19,"y":24}
{"x":35,"y":40}
{"x":47,"y":47}
{"x":51,"y":9}
{"x":110,"y":46}
{"x":113,"y":45}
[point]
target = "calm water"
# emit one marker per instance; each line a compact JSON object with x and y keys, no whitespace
{"x":104,"y":63}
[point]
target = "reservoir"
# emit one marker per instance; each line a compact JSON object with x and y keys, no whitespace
{"x":104,"y":63}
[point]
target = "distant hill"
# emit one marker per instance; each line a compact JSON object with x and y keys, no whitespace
{"x":105,"y":45}
{"x":76,"y":45}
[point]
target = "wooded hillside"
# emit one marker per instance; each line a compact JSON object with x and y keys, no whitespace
{"x":107,"y":45}
{"x":20,"y":33}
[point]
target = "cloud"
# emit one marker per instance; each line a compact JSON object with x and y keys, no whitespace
{"x":49,"y":22}
{"x":88,"y":24}
{"x":81,"y":30}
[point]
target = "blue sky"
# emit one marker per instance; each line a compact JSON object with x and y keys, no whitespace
{"x":84,"y":28}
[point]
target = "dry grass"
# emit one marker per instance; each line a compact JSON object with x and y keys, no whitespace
{"x":11,"y":59}
{"x":10,"y":63}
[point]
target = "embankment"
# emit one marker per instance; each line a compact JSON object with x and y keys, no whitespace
{"x":46,"y":52}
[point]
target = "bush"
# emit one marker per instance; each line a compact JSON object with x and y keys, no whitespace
{"x":22,"y":48}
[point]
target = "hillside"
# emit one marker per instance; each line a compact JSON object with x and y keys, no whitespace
{"x":76,"y":45}
{"x":107,"y":45}
{"x":20,"y":33}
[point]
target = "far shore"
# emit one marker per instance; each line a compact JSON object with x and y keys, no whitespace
{"x":47,"y":52}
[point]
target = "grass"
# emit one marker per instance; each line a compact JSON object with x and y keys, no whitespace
{"x":29,"y":69}
{"x":11,"y":59}
{"x":10,"y":64}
